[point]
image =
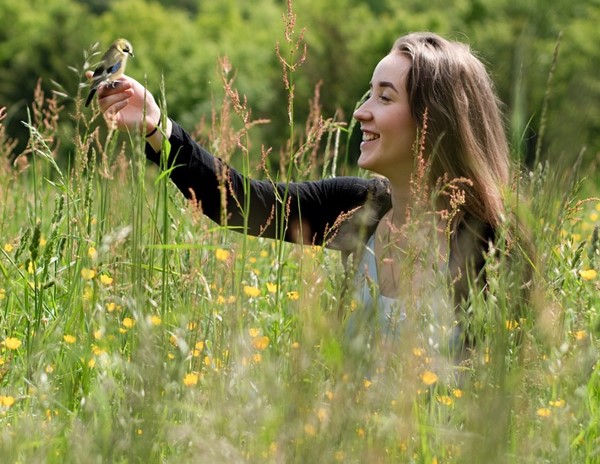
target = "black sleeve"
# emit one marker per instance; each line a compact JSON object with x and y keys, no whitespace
{"x":310,"y":213}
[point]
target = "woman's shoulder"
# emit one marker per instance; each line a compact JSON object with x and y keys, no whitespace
{"x":354,"y":230}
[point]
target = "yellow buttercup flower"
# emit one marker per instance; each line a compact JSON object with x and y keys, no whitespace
{"x":445,"y":400}
{"x":191,"y":379}
{"x":253,"y":332}
{"x":12,"y":343}
{"x":222,"y":255}
{"x":589,"y":274}
{"x":106,"y":280}
{"x":88,"y":274}
{"x":544,"y":412}
{"x":70,"y":339}
{"x":92,"y":253}
{"x":252,"y":292}
{"x":429,"y":378}
{"x":260,"y":343}
{"x":6,"y":401}
{"x":271,"y":288}
{"x":293,"y":295}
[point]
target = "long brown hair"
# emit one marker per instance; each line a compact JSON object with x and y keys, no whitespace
{"x":465,"y":135}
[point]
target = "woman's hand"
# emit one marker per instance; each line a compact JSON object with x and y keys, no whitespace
{"x":123,"y":103}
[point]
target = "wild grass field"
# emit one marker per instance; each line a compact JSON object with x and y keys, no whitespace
{"x":133,"y":329}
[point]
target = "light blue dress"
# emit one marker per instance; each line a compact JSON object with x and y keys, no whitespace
{"x":385,"y":317}
{"x":375,"y":311}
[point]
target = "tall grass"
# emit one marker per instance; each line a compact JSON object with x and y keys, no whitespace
{"x":134,"y":329}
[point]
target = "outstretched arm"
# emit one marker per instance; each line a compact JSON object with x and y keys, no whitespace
{"x":311,"y":211}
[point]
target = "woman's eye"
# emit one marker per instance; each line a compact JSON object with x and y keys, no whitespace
{"x":384,"y":98}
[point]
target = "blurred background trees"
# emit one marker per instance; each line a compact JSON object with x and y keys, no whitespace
{"x":181,"y":42}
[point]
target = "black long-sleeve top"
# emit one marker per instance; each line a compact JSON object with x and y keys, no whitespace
{"x":340,"y":213}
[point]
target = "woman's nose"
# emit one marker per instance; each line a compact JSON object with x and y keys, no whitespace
{"x":361,"y":113}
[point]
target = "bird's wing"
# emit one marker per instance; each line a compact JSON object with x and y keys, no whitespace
{"x":114,"y":68}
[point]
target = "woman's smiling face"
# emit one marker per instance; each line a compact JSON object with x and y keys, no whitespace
{"x":386,"y":121}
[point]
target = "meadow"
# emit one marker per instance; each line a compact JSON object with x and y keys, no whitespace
{"x":133,"y":329}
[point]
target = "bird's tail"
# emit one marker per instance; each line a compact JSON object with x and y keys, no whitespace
{"x":90,"y":96}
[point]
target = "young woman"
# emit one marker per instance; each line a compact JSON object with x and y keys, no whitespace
{"x":429,"y":97}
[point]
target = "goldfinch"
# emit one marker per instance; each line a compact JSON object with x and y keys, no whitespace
{"x":111,"y":66}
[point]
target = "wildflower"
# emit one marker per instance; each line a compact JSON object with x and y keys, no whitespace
{"x":310,"y":430}
{"x":6,"y":401}
{"x":293,"y":295}
{"x":295,"y":345}
{"x":367,"y":384}
{"x":191,"y":379}
{"x":106,"y":280}
{"x":2,"y":293}
{"x":30,"y":267}
{"x":418,"y":352}
{"x":252,"y":292}
{"x":445,"y":400}
{"x":128,"y":323}
{"x":8,"y":247}
{"x":192,"y":325}
{"x":199,"y":345}
{"x":110,"y":307}
{"x":329,"y":395}
{"x":260,"y":343}
{"x":88,"y":292}
{"x":97,"y":350}
{"x":253,"y":332}
{"x":222,"y":255}
{"x":560,"y":403}
{"x":589,"y":274}
{"x":256,"y":358}
{"x":580,"y":335}
{"x":88,"y":274}
{"x":457,"y":393}
{"x":360,"y":432}
{"x":12,"y":343}
{"x":322,"y":414}
{"x":70,"y":339}
{"x":429,"y":378}
{"x":92,"y":253}
{"x":155,"y":320}
{"x":271,"y":288}
{"x":91,"y":363}
{"x":511,"y":324}
{"x":544,"y":412}
{"x":264,"y":254}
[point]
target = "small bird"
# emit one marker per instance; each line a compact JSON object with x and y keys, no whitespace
{"x":111,"y":66}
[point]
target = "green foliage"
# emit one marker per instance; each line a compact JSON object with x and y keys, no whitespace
{"x":132,"y":329}
{"x":183,"y":41}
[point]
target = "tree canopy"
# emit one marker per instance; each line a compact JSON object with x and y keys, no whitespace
{"x":181,"y":42}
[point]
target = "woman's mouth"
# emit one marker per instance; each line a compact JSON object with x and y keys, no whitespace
{"x":369,"y":136}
